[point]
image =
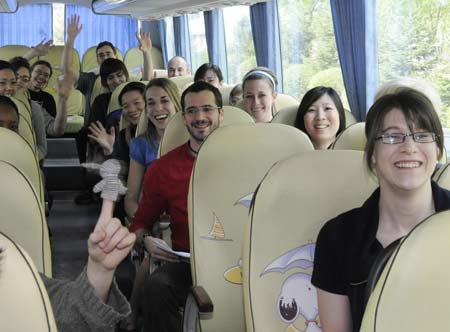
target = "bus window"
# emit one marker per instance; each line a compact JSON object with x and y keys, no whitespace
{"x":199,"y":53}
{"x":240,"y":50}
{"x":414,"y":41}
{"x":308,"y":48}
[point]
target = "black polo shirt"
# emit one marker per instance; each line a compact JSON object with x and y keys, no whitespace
{"x":347,"y":247}
{"x":44,"y":99}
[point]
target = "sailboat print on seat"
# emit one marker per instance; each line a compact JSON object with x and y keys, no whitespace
{"x":217,"y":232}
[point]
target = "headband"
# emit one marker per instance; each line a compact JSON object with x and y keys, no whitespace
{"x":261,"y":73}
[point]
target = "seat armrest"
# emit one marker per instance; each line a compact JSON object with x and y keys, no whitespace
{"x":202,"y":299}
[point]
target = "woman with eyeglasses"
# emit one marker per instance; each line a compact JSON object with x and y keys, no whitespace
{"x":404,"y":143}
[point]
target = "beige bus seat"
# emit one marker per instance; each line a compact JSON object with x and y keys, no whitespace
{"x":54,"y":58}
{"x":349,"y":118}
{"x":24,"y":97}
{"x":89,"y":60}
{"x":295,"y":198}
{"x":24,"y":303}
{"x":97,"y":89}
{"x":286,"y":116}
{"x":225,"y":91}
{"x":26,"y":129}
{"x":19,"y":153}
{"x":135,"y":62}
{"x":75,"y":111}
{"x":8,"y":52}
{"x":159,"y":73}
{"x":23,"y":104}
{"x":176,"y":133}
{"x":182,"y":81}
{"x":413,"y":291}
{"x":228,"y":168}
{"x":352,"y":138}
{"x":23,"y":217}
{"x":27,"y":132}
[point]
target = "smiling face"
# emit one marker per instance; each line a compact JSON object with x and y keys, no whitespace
{"x":113,"y":80}
{"x":159,"y":108}
{"x":406,"y":166}
{"x":8,"y":82}
{"x":177,"y":67}
{"x":201,"y":116}
{"x":322,"y":122}
{"x":259,"y":99}
{"x":133,"y":105}
{"x":39,"y":77}
{"x":23,"y":78}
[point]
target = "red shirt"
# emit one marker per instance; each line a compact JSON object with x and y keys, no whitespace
{"x":166,"y":187}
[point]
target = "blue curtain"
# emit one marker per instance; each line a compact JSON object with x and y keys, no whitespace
{"x":119,"y":30}
{"x":162,"y":27}
{"x":215,"y":39}
{"x":266,"y":37}
{"x":28,"y":26}
{"x":355,"y":31}
{"x":157,"y":31}
{"x":182,"y":40}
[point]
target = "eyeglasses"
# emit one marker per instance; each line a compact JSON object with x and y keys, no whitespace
{"x":397,"y":138}
{"x":23,"y":78}
{"x":208,"y":109}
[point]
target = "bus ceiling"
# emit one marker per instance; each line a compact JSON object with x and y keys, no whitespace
{"x":157,"y":9}
{"x":139,"y":9}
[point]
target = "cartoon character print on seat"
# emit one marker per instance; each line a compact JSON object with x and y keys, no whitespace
{"x":298,"y":296}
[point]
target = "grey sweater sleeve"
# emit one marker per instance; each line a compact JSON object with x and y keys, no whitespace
{"x":49,"y":120}
{"x":77,"y":308}
{"x":38,"y":123}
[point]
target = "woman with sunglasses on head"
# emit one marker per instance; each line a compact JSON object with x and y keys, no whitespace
{"x":404,"y":143}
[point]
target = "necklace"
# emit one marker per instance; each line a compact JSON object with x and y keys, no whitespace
{"x":191,"y":149}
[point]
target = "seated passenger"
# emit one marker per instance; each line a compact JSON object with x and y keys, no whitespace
{"x":404,"y":142}
{"x":162,"y":101}
{"x":321,"y":116}
{"x":113,"y":72}
{"x":259,"y":93}
{"x":41,"y":71}
{"x":93,"y":301}
{"x":132,"y":101}
{"x":166,"y":186}
{"x":43,"y":123}
{"x":177,"y":66}
{"x":21,"y":68}
{"x":209,"y":73}
{"x":105,"y":50}
{"x":235,"y":95}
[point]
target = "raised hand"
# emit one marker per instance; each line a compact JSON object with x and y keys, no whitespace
{"x":101,"y":136}
{"x":42,"y":48}
{"x":108,"y":245}
{"x":145,"y":42}
{"x":73,"y":27}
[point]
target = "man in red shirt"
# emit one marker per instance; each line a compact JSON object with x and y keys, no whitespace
{"x":166,"y":186}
